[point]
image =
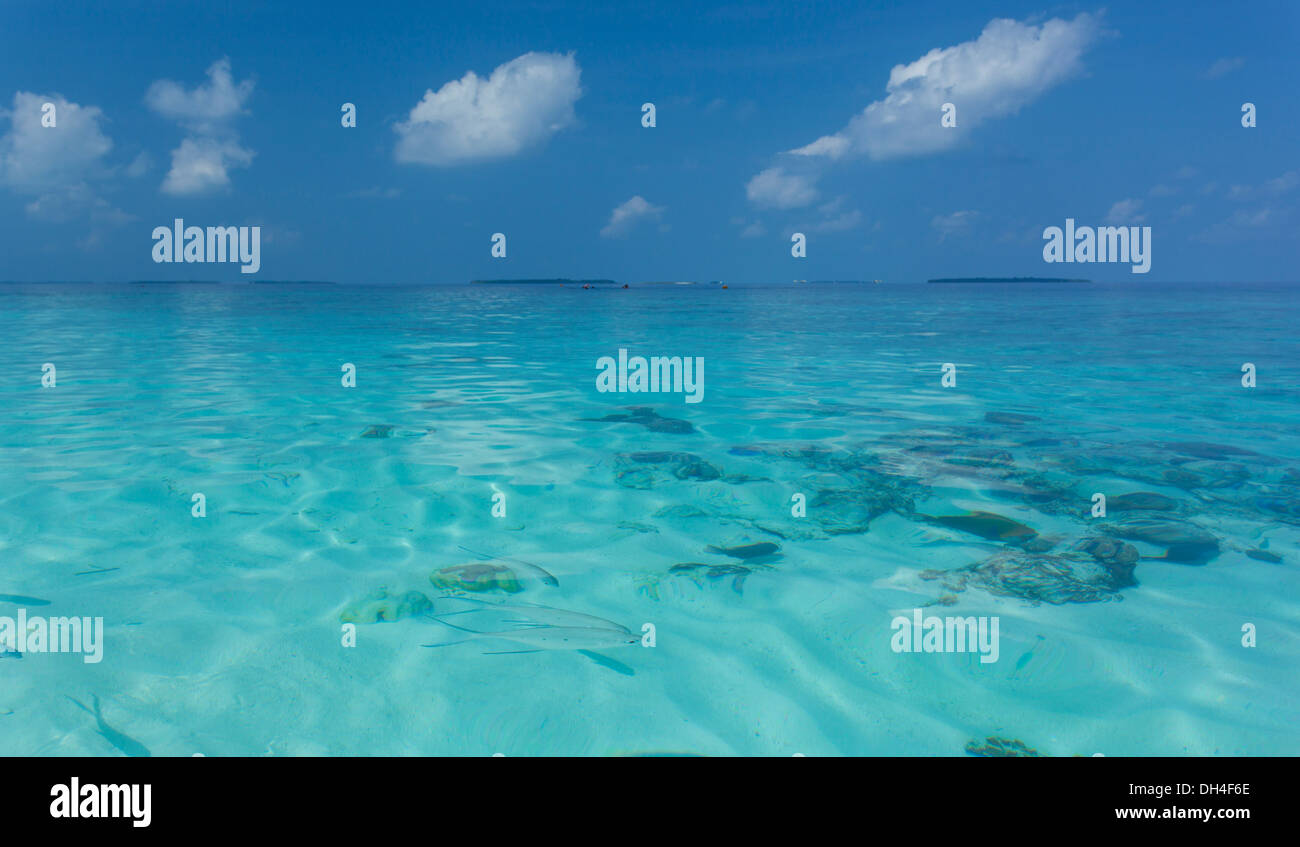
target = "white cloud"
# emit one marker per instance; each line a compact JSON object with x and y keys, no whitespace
{"x":954,"y":224}
{"x":626,"y":215}
{"x":1251,"y":220}
{"x":36,"y":158}
{"x":776,"y":189}
{"x":522,"y":103}
{"x":830,"y":146}
{"x":1278,"y":185}
{"x":1224,"y":67}
{"x":201,"y":165}
{"x":1241,"y":224}
{"x":58,"y":165}
{"x":202,"y":162}
{"x":206,"y":108}
{"x":1125,"y":212}
{"x":1010,"y":65}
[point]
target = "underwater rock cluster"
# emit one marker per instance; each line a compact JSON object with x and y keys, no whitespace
{"x":1009,"y":456}
{"x":1095,"y":571}
{"x":648,"y":469}
{"x":382,"y":607}
{"x":996,"y":746}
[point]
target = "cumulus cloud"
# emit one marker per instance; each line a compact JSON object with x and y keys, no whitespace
{"x":522,"y":103}
{"x":57,"y":166}
{"x":1125,"y":212}
{"x":1010,"y":65}
{"x":628,"y":214}
{"x":774,"y":188}
{"x":203,"y":160}
{"x":201,"y":165}
{"x":205,"y":108}
{"x":35,"y":158}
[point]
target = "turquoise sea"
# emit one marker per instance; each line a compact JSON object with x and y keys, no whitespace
{"x":1122,"y":635}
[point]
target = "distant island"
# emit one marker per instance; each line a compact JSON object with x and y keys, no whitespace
{"x":234,"y":282}
{"x":1006,"y":279}
{"x":542,"y":282}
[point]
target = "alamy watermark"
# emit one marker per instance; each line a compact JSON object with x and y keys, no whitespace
{"x":658,"y":374}
{"x":933,"y":634}
{"x":93,"y":800}
{"x":52,"y":635}
{"x":181,"y":243}
{"x":1102,"y":244}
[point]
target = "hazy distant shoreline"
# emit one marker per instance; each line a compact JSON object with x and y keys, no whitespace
{"x":1004,"y":279}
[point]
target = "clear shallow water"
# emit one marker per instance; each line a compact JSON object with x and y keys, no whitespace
{"x":223,"y":633}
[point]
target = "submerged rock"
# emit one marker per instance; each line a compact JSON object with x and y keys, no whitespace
{"x":1216,"y":452}
{"x":700,"y":470}
{"x":639,"y":478}
{"x":841,"y":511}
{"x":1105,"y":549}
{"x":661,"y":457}
{"x":981,"y":459}
{"x":1141,"y":501}
{"x":680,"y":512}
{"x":814,"y":456}
{"x":1037,"y":544}
{"x":994,"y":746}
{"x":1286,"y":508}
{"x":651,"y":468}
{"x":1009,"y":418}
{"x":381,"y":607}
{"x":1152,"y":464}
{"x":1073,"y":577}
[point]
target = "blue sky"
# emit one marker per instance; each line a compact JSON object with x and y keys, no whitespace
{"x":771,"y":118}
